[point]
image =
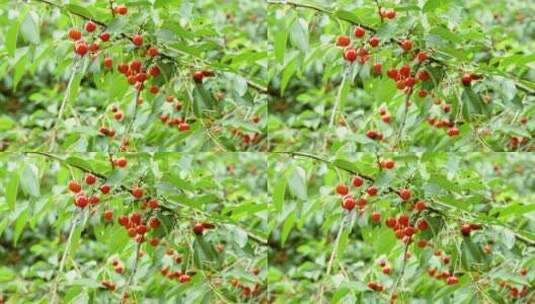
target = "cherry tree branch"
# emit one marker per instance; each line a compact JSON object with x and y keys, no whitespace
{"x":332,"y":14}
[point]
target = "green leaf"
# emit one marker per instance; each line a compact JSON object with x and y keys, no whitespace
{"x":297,"y":183}
{"x":12,"y":35}
{"x":20,"y":223}
{"x":20,"y":69}
{"x":287,"y":73}
{"x":432,"y":5}
{"x":279,"y":193}
{"x":287,"y":227}
{"x":299,"y":34}
{"x":29,"y":180}
{"x":11,"y":191}
{"x":79,"y":162}
{"x":30,"y":28}
{"x":280,"y":42}
{"x":80,"y":10}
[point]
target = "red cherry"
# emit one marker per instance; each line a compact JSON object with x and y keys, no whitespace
{"x":359,"y":32}
{"x":154,"y":89}
{"x":90,"y":26}
{"x":357,"y":181}
{"x":373,"y":41}
{"x":198,"y":76}
{"x":121,"y":10}
{"x":466,"y":229}
{"x":74,"y":186}
{"x":74,"y":34}
{"x":135,"y":65}
{"x":108,"y":63}
{"x":183,"y":126}
{"x":137,"y":192}
{"x":135,"y":218}
{"x":453,"y":131}
{"x":137,"y":40}
{"x":154,"y":223}
{"x":105,"y":37}
{"x":153,"y":203}
{"x":422,"y":93}
{"x":446,"y":259}
{"x":81,"y":201}
{"x":81,"y":48}
{"x":423,"y":75}
{"x":421,"y":56}
{"x":452,"y":280}
{"x":118,"y":115}
{"x":372,"y":191}
{"x":391,"y":222}
{"x":184,"y":278}
{"x":406,"y":45}
{"x":152,"y":52}
{"x":141,"y":229}
{"x":154,"y":71}
{"x":392,"y":73}
{"x":403,"y":220}
{"x":342,"y":189}
{"x":108,"y":215}
{"x":349,"y":203}
{"x":121,"y":162}
{"x":387,"y":270}
{"x":343,"y":41}
{"x":377,"y":68}
{"x":422,"y":243}
{"x":93,"y":47}
{"x":405,"y":194}
{"x":466,"y":79}
{"x":123,"y":68}
{"x":446,"y":108}
{"x":388,"y":164}
{"x":376,"y":217}
{"x":123,"y":220}
{"x":105,"y":189}
{"x":198,"y":229}
{"x":390,"y":14}
{"x":94,"y":200}
{"x":350,"y":55}
{"x":405,"y":71}
{"x":154,"y":242}
{"x":420,"y":205}
{"x":409,"y":231}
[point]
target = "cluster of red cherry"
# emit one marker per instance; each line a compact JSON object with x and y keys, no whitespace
{"x":178,"y":275}
{"x":81,"y":199}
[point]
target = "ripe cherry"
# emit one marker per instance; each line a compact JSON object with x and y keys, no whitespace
{"x":452,"y":280}
{"x":137,"y":192}
{"x":421,"y":243}
{"x":154,"y":242}
{"x":406,"y":45}
{"x":373,"y":41}
{"x":350,"y":55}
{"x":154,"y":223}
{"x":391,"y":222}
{"x":105,"y":37}
{"x":198,"y":228}
{"x":184,"y":278}
{"x":421,"y":56}
{"x":453,"y":131}
{"x":390,"y":14}
{"x":405,"y":71}
{"x":422,"y":93}
{"x":349,"y":203}
{"x":108,"y":63}
{"x":343,"y":41}
{"x":154,"y":89}
{"x":183,"y":126}
{"x":403,"y":220}
{"x":392,"y":73}
{"x":121,"y":10}
{"x":153,"y":203}
{"x":342,"y":189}
{"x":466,"y":229}
{"x":377,"y":68}
{"x":90,"y":26}
{"x":108,"y":215}
{"x":123,"y":68}
{"x":118,"y":115}
{"x":75,"y":34}
{"x":387,"y":270}
{"x":141,"y":229}
{"x":81,"y":201}
{"x":152,"y":51}
{"x":372,"y":191}
{"x":124,"y":220}
{"x":154,"y":71}
{"x":420,"y":205}
{"x":359,"y":32}
{"x":137,"y":40}
{"x":357,"y":181}
{"x":75,"y":186}
{"x":375,"y":217}
{"x":388,"y":163}
{"x":198,"y":76}
{"x":466,"y":79}
{"x":121,"y":162}
{"x":135,"y":218}
{"x":423,"y":75}
{"x":105,"y":189}
{"x":81,"y":48}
